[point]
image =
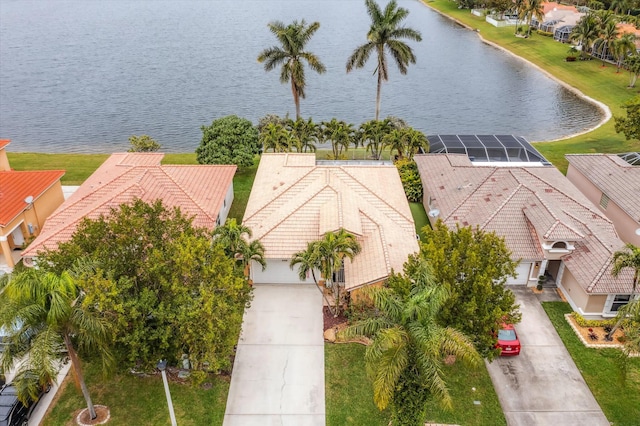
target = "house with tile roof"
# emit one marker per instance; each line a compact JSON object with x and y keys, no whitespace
{"x":547,"y":223}
{"x":203,"y":192}
{"x":613,"y":185}
{"x":27,"y":198}
{"x":296,"y":200}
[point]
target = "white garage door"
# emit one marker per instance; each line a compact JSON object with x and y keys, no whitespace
{"x":277,"y":272}
{"x":522,"y":274}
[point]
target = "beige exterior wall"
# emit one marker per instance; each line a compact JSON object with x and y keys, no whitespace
{"x":573,"y":291}
{"x":625,"y":225}
{"x":47,"y":203}
{"x":596,"y":303}
{"x":4,"y":161}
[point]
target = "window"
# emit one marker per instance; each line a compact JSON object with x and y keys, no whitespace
{"x":619,"y":301}
{"x":604,"y":201}
{"x":559,"y":245}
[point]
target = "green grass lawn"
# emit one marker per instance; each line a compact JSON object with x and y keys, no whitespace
{"x":419,"y":217}
{"x":349,"y":395}
{"x":141,"y":401}
{"x":599,"y":367}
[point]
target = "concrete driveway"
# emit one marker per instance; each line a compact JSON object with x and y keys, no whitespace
{"x":542,"y":386}
{"x":278,"y":373}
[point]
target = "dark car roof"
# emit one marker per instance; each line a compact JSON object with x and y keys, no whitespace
{"x":8,"y":398}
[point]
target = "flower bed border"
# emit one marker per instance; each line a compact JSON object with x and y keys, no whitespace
{"x":587,"y":344}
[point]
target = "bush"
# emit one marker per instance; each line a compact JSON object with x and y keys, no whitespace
{"x":228,"y":140}
{"x":582,"y":322}
{"x":544,"y":33}
{"x":143,"y":143}
{"x":408,"y":170}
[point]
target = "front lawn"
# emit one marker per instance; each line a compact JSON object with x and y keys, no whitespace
{"x":599,"y":367}
{"x":141,"y":401}
{"x":349,"y":395}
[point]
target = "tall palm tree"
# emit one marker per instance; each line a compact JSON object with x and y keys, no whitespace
{"x":290,"y":54}
{"x":632,"y":62}
{"x":608,"y":36}
{"x":308,"y":262}
{"x":405,"y":359}
{"x":385,"y":35}
{"x":45,"y":313}
{"x":622,"y":48}
{"x":533,"y":9}
{"x":304,"y":133}
{"x":340,"y":133}
{"x":629,"y":257}
{"x":276,"y":137}
{"x":372,"y":134}
{"x":586,"y":31}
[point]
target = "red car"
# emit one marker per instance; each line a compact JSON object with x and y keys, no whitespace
{"x":508,"y":342}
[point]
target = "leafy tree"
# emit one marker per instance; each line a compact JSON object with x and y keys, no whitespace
{"x":474,"y":266}
{"x":630,"y":125}
{"x":585,"y":33}
{"x":228,"y":140}
{"x":340,"y":133}
{"x":410,"y":177}
{"x":304,"y":134}
{"x":232,"y":237}
{"x":633,"y":65}
{"x":44,"y":313}
{"x":629,"y":257}
{"x":271,"y":118}
{"x":327,"y":255}
{"x":372,"y":134}
{"x":385,"y":35}
{"x":143,"y":143}
{"x":290,"y":54}
{"x":276,"y":137}
{"x":164,"y":287}
{"x":409,"y":346}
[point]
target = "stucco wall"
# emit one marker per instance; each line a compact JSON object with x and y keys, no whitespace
{"x":4,"y":161}
{"x":596,"y":303}
{"x":47,"y":203}
{"x":625,"y":225}
{"x":226,"y":204}
{"x":572,"y":290}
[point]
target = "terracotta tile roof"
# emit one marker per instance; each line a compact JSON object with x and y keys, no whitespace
{"x":15,"y":186}
{"x":525,"y":205}
{"x":4,"y":143}
{"x":614,"y":177}
{"x":199,"y":191}
{"x":294,"y":201}
{"x":550,"y":6}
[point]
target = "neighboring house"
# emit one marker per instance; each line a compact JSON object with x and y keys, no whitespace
{"x":613,"y":184}
{"x":295,"y":201}
{"x":27,"y":198}
{"x":203,"y":192}
{"x":547,"y":223}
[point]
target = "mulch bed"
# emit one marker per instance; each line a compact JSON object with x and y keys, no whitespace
{"x":84,"y":419}
{"x":330,"y":321}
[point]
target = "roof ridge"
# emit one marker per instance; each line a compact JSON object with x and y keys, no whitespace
{"x":464,"y":200}
{"x":504,"y":203}
{"x":558,"y":220}
{"x":185,"y":192}
{"x":383,"y":239}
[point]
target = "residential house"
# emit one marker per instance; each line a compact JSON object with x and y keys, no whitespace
{"x":296,"y":200}
{"x":547,"y":223}
{"x":27,"y":198}
{"x":203,"y":192}
{"x":612,"y":183}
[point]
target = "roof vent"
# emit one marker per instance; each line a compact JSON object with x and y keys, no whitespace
{"x":434,"y":213}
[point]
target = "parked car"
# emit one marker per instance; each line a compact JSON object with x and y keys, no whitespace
{"x":12,"y":411}
{"x":508,"y":341}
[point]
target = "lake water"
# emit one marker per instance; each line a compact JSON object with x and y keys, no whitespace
{"x":82,"y":76}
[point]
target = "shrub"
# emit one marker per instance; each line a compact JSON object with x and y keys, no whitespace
{"x":408,"y":170}
{"x":582,"y":322}
{"x":544,"y":33}
{"x":143,"y":143}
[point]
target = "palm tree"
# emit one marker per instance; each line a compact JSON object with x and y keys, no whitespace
{"x":45,"y":313}
{"x":253,"y":251}
{"x":619,"y":6}
{"x":632,"y":63}
{"x":533,"y":8}
{"x":585,"y":33}
{"x":276,"y":137}
{"x":290,"y":54}
{"x":622,"y":48}
{"x":304,"y":133}
{"x":232,"y":237}
{"x":340,"y":133}
{"x":405,"y":359}
{"x":406,"y":141}
{"x":629,"y":257}
{"x":372,"y":134}
{"x":385,"y":35}
{"x":608,"y":37}
{"x":308,"y":261}
{"x":416,"y":141}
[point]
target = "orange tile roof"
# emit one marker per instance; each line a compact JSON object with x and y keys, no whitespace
{"x":525,"y":205}
{"x":199,"y":191}
{"x":294,"y":201}
{"x":550,"y":6}
{"x":4,"y":143}
{"x":613,"y":176}
{"x":15,"y":186}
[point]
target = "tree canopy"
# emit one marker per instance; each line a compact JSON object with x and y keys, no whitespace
{"x":630,"y":125}
{"x":143,"y":143}
{"x":164,"y":287}
{"x":228,"y":140}
{"x":474,"y":265}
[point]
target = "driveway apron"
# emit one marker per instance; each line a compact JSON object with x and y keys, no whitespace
{"x":278,"y":373}
{"x":542,"y":386}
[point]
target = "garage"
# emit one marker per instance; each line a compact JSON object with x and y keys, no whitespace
{"x":277,"y":272}
{"x":522,"y":274}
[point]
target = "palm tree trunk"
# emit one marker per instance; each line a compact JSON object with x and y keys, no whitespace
{"x":296,"y":98}
{"x":378,"y":93}
{"x":75,"y":363}
{"x":324,"y":296}
{"x":636,"y":278}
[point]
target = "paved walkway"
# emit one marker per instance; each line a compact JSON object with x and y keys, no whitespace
{"x":542,"y":386}
{"x":278,"y":373}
